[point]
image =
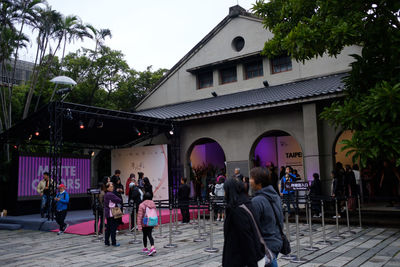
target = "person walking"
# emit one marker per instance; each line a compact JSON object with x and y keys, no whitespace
{"x":267,"y":210}
{"x":242,"y":245}
{"x":111,"y":201}
{"x":183,"y":200}
{"x":62,"y":200}
{"x":147,"y":230}
{"x":220,"y":193}
{"x":43,"y":188}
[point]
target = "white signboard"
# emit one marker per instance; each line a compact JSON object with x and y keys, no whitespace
{"x":151,"y":160}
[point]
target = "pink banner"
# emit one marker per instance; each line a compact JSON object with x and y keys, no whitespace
{"x":75,"y":174}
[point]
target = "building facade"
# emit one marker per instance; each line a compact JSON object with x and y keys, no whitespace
{"x":224,"y":91}
{"x":23,"y":72}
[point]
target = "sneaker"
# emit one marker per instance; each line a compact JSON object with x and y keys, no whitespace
{"x":315,"y":216}
{"x":222,"y":220}
{"x":59,"y":232}
{"x":145,"y":250}
{"x":151,"y":252}
{"x":334,"y":217}
{"x":65,"y":229}
{"x":116,"y":245}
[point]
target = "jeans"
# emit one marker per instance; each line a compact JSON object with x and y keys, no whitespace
{"x":111,"y":230}
{"x":44,"y":206}
{"x":60,"y":217}
{"x":274,"y":262}
{"x":289,"y":199}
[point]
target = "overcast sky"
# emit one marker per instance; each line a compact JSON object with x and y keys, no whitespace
{"x":148,"y":32}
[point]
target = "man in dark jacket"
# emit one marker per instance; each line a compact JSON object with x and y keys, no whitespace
{"x":265,"y":202}
{"x":134,"y":198}
{"x":183,"y":198}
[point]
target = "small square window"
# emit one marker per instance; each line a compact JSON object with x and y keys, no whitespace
{"x":281,"y":64}
{"x":228,"y":75}
{"x":205,"y":79}
{"x":253,"y":69}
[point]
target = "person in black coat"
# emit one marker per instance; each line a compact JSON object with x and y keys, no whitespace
{"x":147,"y":186}
{"x":242,"y":246}
{"x":134,"y":198}
{"x":183,"y":200}
{"x":315,"y":191}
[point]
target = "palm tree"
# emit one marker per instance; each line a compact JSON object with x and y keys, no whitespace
{"x":48,"y":24}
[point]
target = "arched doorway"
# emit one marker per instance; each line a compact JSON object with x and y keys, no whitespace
{"x":340,"y":156}
{"x":206,"y":160}
{"x":278,"y":148}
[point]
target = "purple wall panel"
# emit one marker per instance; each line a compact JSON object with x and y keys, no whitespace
{"x":75,"y":174}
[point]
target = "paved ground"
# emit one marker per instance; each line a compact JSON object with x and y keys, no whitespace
{"x":366,"y":247}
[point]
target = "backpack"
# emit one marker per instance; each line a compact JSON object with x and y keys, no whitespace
{"x":150,"y":217}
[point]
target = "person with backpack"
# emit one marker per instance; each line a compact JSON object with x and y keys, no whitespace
{"x":220,"y":193}
{"x":146,"y":220}
{"x":267,"y":209}
{"x":62,"y":200}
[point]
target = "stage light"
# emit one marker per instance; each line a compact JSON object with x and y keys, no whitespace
{"x":91,"y":153}
{"x":266,"y":84}
{"x":30,"y":138}
{"x":138,"y":133}
{"x":15,"y":147}
{"x":37,"y":132}
{"x":171,"y":132}
{"x":81,"y":125}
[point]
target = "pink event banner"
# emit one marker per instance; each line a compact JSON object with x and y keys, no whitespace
{"x":75,"y":174}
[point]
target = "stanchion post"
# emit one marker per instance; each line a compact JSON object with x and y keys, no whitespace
{"x":199,"y":238}
{"x":176,"y":231}
{"x":359,"y":210}
{"x":337,"y":237}
{"x":134,"y":241}
{"x":297,"y":259}
{"x":211,"y":249}
{"x":96,"y":222}
{"x":323,"y":242}
{"x":204,"y":224}
{"x":311,"y":248}
{"x":170,"y":245}
{"x":288,"y":256}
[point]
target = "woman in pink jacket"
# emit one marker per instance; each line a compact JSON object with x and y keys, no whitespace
{"x":147,"y":230}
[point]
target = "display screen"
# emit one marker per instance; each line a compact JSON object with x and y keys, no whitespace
{"x":75,"y":175}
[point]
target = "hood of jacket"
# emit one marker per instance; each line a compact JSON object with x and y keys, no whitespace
{"x":219,"y":186}
{"x":270,"y":193}
{"x":149,"y":203}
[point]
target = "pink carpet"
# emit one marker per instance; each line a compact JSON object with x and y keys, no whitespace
{"x":87,"y":228}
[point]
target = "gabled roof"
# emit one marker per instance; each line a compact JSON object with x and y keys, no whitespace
{"x":306,"y":90}
{"x":234,"y":11}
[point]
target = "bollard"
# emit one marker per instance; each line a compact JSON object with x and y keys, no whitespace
{"x":160,"y":235}
{"x":311,"y":248}
{"x":176,"y":231}
{"x":204,"y":224}
{"x":130,"y":220}
{"x":359,"y":211}
{"x":199,"y":238}
{"x":323,"y":242}
{"x":170,"y":245}
{"x":134,"y":241}
{"x":192,"y":222}
{"x":211,"y":249}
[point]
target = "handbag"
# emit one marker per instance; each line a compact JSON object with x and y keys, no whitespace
{"x":269,"y":257}
{"x":116,"y":212}
{"x":285,"y":250}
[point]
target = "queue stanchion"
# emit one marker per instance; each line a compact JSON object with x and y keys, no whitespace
{"x":160,"y":235}
{"x":323,"y":242}
{"x":129,"y":210}
{"x":348,"y":219}
{"x":211,"y":249}
{"x":170,"y":245}
{"x":192,"y":222}
{"x":199,"y":238}
{"x":96,"y":221}
{"x":288,"y":256}
{"x":204,"y":224}
{"x":176,"y":231}
{"x":359,"y":210}
{"x":134,"y":241}
{"x":297,"y":259}
{"x":337,"y":237}
{"x":310,"y":248}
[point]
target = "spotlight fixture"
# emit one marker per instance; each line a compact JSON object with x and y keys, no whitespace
{"x":68,"y":114}
{"x":37,"y":133}
{"x":81,"y":125}
{"x":30,"y":138}
{"x":138,"y":133}
{"x":266,"y":84}
{"x":16,"y":147}
{"x":91,"y":153}
{"x":171,"y":132}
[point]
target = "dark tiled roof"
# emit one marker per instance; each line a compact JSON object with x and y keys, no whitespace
{"x":266,"y":95}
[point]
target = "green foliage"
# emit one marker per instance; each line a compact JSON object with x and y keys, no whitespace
{"x":308,"y":29}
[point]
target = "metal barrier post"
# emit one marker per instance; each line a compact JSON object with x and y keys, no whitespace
{"x":337,"y":237}
{"x":311,"y":248}
{"x":170,"y":245}
{"x":288,"y":256}
{"x":297,"y":259}
{"x":176,"y":231}
{"x":359,"y":211}
{"x":134,"y":241}
{"x":204,"y":224}
{"x":348,"y":219}
{"x":199,"y":238}
{"x":160,"y":235}
{"x":211,"y":249}
{"x":323,"y":242}
{"x":96,"y":221}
